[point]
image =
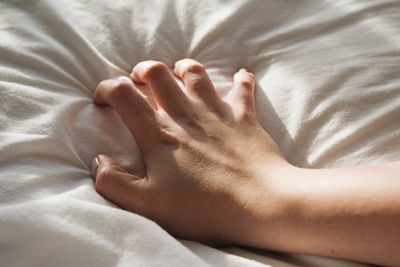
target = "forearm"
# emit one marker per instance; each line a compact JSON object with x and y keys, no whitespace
{"x":206,"y":177}
{"x":351,"y":213}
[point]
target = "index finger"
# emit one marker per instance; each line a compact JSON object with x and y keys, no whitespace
{"x":134,"y":110}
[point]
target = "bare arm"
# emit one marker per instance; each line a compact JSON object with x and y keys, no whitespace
{"x":351,"y":213}
{"x":214,"y":175}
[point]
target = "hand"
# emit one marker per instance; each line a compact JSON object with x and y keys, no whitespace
{"x":214,"y":175}
{"x":210,"y":165}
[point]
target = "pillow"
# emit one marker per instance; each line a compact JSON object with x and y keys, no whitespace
{"x":328,"y":92}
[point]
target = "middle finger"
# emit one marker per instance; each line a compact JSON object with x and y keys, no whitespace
{"x":166,"y":91}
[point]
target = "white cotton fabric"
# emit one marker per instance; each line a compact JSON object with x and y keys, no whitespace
{"x":328,"y":92}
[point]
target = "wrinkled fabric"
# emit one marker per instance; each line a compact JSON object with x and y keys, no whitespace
{"x":328,"y":92}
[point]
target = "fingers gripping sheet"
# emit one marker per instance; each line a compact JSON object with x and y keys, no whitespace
{"x":328,"y":92}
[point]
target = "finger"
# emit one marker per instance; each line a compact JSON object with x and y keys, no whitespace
{"x":197,"y":82}
{"x":166,"y":91}
{"x":148,"y":94}
{"x":144,"y":90}
{"x":242,"y":97}
{"x":134,"y":110}
{"x":117,"y":185}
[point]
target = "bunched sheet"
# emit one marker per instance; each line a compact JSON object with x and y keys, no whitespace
{"x":328,"y":92}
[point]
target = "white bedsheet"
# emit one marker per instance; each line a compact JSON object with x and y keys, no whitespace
{"x":328,"y":92}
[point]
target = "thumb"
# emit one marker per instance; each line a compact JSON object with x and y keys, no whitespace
{"x":116,"y":184}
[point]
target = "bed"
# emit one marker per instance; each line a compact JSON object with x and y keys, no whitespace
{"x":328,"y":92}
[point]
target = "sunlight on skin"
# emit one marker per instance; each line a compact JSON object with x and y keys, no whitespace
{"x":215,"y":176}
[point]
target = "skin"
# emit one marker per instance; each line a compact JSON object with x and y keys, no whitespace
{"x":215,"y":176}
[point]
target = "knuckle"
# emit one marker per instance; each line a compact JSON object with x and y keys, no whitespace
{"x":154,"y":69}
{"x":119,"y":89}
{"x":247,"y":83}
{"x":193,"y":68}
{"x":167,"y":137}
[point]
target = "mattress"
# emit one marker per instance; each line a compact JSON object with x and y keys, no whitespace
{"x":328,"y":92}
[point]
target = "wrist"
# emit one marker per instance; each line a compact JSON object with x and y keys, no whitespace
{"x":269,"y":206}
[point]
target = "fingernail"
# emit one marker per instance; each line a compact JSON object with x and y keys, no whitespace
{"x":124,"y":78}
{"x":243,"y":69}
{"x":93,"y":167}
